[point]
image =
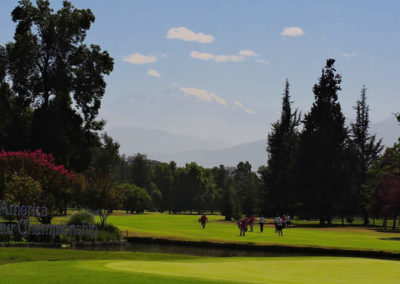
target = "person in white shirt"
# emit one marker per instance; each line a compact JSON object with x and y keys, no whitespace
{"x":288,"y":220}
{"x":279,"y":225}
{"x":261,"y":221}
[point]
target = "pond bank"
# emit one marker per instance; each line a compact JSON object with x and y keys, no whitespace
{"x":264,"y":249}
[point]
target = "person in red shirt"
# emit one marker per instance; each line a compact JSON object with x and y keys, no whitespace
{"x":243,"y":226}
{"x":251,"y":222}
{"x":203,"y":220}
{"x":284,"y":221}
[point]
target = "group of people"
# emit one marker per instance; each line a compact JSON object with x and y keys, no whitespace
{"x":280,"y":223}
{"x":247,"y":223}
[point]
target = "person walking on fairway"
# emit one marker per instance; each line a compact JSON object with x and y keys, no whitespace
{"x":251,"y":222}
{"x":279,"y":226}
{"x":288,"y":219}
{"x":276,"y":223}
{"x":261,"y":221}
{"x":203,"y":220}
{"x":243,"y":226}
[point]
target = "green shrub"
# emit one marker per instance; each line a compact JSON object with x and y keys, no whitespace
{"x":78,"y":218}
{"x":108,"y":233}
{"x":349,"y":219}
{"x":81,"y":216}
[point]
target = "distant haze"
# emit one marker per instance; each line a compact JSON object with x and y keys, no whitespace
{"x":164,"y":146}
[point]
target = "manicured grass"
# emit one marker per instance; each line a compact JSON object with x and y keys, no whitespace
{"x":13,"y":255}
{"x":202,"y":270}
{"x":187,"y":227}
{"x":274,"y":270}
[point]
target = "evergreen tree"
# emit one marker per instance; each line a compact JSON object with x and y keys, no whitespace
{"x":140,"y":171}
{"x":281,"y":146}
{"x":320,"y":169}
{"x":366,"y":147}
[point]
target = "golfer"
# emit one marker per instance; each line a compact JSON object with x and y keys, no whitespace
{"x":243,"y":226}
{"x":203,"y":220}
{"x":261,"y":221}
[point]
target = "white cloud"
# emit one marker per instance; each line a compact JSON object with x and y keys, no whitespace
{"x":292,"y":31}
{"x":185,"y":34}
{"x":349,"y":54}
{"x":241,"y":56}
{"x":219,"y":100}
{"x":227,"y":58}
{"x":152,"y":72}
{"x":263,"y":61}
{"x":247,"y":53}
{"x":240,"y":105}
{"x":203,"y":95}
{"x":137,"y":58}
{"x":201,"y":55}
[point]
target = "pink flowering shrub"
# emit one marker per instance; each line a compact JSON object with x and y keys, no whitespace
{"x":56,"y":183}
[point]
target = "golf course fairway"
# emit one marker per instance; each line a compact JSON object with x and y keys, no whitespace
{"x":205,"y":270}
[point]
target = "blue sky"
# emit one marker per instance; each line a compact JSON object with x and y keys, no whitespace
{"x":236,"y":93}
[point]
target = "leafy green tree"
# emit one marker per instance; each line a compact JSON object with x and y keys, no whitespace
{"x":220,"y":176}
{"x":246,"y":188}
{"x":106,"y":155}
{"x":384,"y":184}
{"x":14,"y":119}
{"x":229,"y":204}
{"x":367,"y":149}
{"x":191,"y":187}
{"x":47,"y":184}
{"x":281,"y":148}
{"x":210,"y":197}
{"x":22,"y":190}
{"x":140,"y":171}
{"x":121,"y":172}
{"x":319,"y":167}
{"x":163,"y":177}
{"x":156,"y":197}
{"x":101,"y":196}
{"x":135,"y":199}
{"x":57,"y":83}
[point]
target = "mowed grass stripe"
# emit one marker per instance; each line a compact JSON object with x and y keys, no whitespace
{"x":311,"y":270}
{"x":186,"y":227}
{"x":276,"y":270}
{"x":82,"y":272}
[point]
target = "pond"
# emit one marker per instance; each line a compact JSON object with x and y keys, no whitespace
{"x":193,"y":250}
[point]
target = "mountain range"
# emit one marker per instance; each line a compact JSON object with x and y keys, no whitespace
{"x":164,"y":146}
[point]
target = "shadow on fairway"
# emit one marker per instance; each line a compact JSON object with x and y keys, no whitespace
{"x":390,"y":239}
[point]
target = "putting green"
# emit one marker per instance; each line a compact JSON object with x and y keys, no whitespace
{"x":276,"y":270}
{"x":210,"y":270}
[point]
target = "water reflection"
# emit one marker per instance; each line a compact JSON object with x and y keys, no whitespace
{"x":192,"y":250}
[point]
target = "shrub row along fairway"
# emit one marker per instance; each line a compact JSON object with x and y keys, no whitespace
{"x":204,"y":270}
{"x":187,"y":227}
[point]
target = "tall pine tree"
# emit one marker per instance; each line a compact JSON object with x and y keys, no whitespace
{"x":281,"y":146}
{"x":367,"y":150}
{"x":319,"y":168}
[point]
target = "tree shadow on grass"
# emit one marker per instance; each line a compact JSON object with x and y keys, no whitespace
{"x":381,"y":230}
{"x":390,"y":239}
